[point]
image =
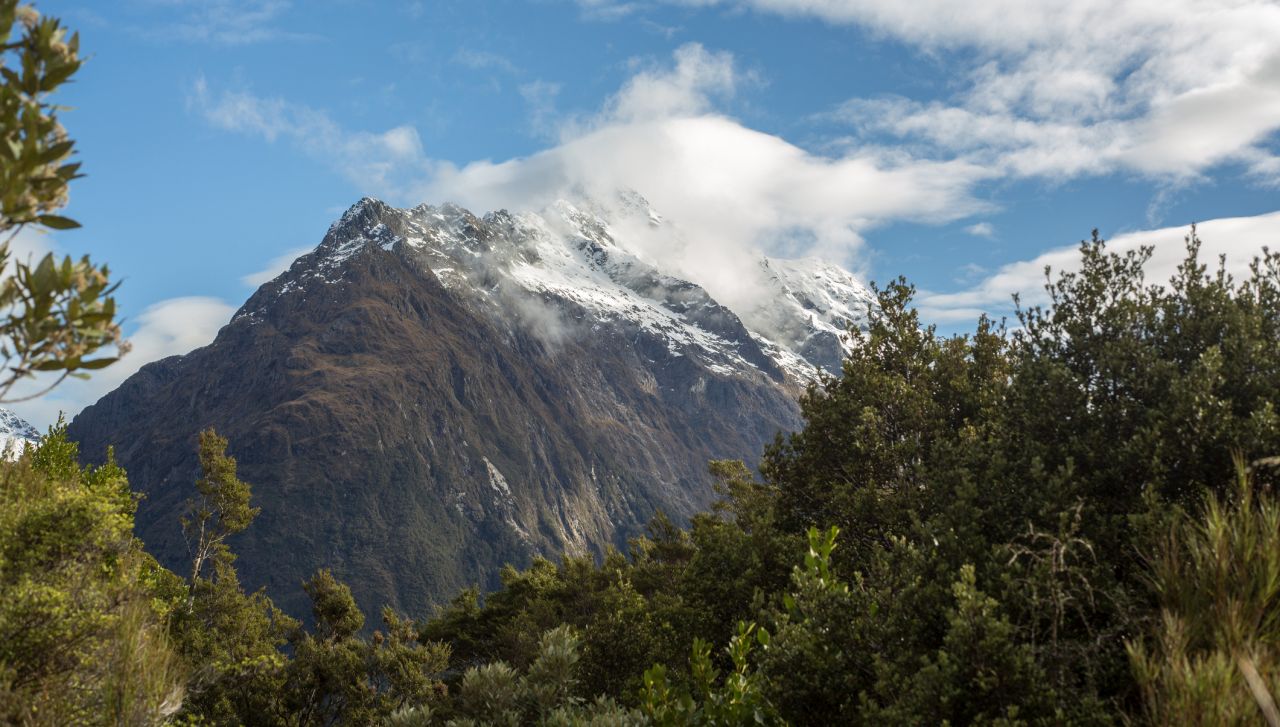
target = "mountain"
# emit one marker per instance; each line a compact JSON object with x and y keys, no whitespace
{"x":429,"y":395}
{"x":15,"y":433}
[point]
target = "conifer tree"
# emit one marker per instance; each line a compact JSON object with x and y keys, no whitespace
{"x":222,"y":509}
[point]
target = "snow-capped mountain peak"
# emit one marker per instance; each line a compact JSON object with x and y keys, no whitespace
{"x":16,"y":434}
{"x":580,"y":264}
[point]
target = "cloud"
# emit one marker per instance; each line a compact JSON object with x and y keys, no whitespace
{"x":1168,"y":90}
{"x":981,"y":229}
{"x":223,"y":22}
{"x":29,"y":246}
{"x":609,"y":10}
{"x":170,"y":327}
{"x":1240,"y":239}
{"x":540,"y":98}
{"x":1077,"y":87}
{"x":732,"y":192}
{"x":698,"y":79}
{"x":383,"y":163}
{"x":274,"y":267}
{"x":479,"y":60}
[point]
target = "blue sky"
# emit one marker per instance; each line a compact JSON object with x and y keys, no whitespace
{"x":960,"y":144}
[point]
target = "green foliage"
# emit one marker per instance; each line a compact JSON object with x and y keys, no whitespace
{"x":343,"y":679}
{"x":56,"y":314}
{"x":81,"y":630}
{"x":254,"y":665}
{"x":232,"y":640}
{"x":335,"y":610}
{"x":623,"y":630}
{"x":737,"y":699}
{"x":981,"y":674}
{"x":1213,"y":656}
{"x":547,"y":693}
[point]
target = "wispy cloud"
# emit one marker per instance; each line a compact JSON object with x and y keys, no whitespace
{"x":480,"y":60}
{"x":1239,"y":239}
{"x":222,"y":22}
{"x":540,"y":98}
{"x":383,"y":163}
{"x":274,"y":267}
{"x":1168,"y":90}
{"x":609,"y":10}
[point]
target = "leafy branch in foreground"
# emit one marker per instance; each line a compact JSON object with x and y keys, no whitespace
{"x":54,"y":315}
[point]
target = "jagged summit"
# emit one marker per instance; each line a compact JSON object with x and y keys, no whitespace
{"x":15,"y":433}
{"x":573,"y":264}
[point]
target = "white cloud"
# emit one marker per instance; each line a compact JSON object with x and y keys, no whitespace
{"x":1166,"y":89}
{"x":170,"y":327}
{"x":1240,"y":239}
{"x":732,"y":190}
{"x":981,"y":229}
{"x":384,"y":163}
{"x":274,"y":267}
{"x":29,"y":246}
{"x":698,"y":79}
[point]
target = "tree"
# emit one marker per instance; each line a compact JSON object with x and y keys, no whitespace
{"x":55,"y":314}
{"x":221,"y":511}
{"x":82,"y":613}
{"x":233,"y":640}
{"x":338,"y":677}
{"x":546,"y":693}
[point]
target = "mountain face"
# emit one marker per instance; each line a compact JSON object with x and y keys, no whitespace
{"x":429,"y":395}
{"x":15,"y":434}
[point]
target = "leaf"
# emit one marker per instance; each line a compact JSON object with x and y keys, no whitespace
{"x":98,"y":363}
{"x":55,"y":77}
{"x":56,"y":152}
{"x":57,"y":222}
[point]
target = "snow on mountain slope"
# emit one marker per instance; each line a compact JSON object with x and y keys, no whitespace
{"x":15,"y":434}
{"x":575,"y":267}
{"x":813,"y":306}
